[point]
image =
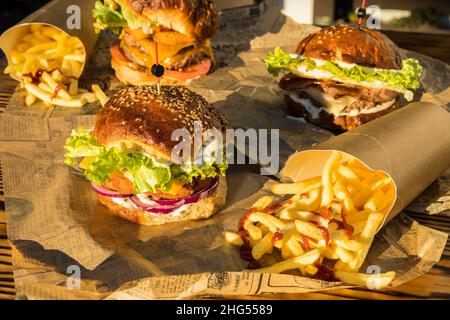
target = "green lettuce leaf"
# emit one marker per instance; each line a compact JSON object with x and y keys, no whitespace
{"x":81,"y":144}
{"x":146,"y":173}
{"x":106,"y":17}
{"x":408,"y":77}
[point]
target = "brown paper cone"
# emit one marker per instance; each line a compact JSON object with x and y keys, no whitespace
{"x":412,"y":145}
{"x":55,"y":14}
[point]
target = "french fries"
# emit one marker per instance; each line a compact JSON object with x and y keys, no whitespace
{"x":328,"y":222}
{"x":48,"y":63}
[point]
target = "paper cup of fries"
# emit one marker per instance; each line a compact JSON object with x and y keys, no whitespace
{"x":322,"y":219}
{"x":47,"y":53}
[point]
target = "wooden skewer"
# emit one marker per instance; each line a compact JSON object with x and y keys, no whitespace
{"x":363,"y":5}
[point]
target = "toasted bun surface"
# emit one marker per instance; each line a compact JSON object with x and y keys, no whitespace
{"x":330,"y":121}
{"x":365,"y":47}
{"x":197,"y":18}
{"x":200,"y":210}
{"x":140,"y":116}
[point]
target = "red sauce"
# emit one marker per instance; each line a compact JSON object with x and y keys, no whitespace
{"x":274,"y":206}
{"x":345,"y":226}
{"x":36,"y":77}
{"x":246,"y":253}
{"x":57,"y":89}
{"x":348,"y":228}
{"x":277,"y":236}
{"x":324,"y":213}
{"x":305,"y":241}
{"x":326,"y":235}
{"x":245,"y":217}
{"x":324,"y":273}
{"x":304,"y":195}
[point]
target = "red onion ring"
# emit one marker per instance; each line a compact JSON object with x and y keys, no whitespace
{"x":165,"y":206}
{"x":108,"y":193}
{"x":153,"y":207}
{"x":190,"y":199}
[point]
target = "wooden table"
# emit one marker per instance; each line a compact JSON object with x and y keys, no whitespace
{"x":434,"y":285}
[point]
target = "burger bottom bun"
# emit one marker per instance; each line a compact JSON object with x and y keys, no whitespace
{"x":200,"y":210}
{"x":330,"y":121}
{"x":131,"y":76}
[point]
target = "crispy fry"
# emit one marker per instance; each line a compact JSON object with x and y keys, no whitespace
{"x":372,"y":281}
{"x":293,"y":263}
{"x":373,"y":222}
{"x":263,"y":202}
{"x":254,"y":232}
{"x":297,"y":187}
{"x":30,"y":99}
{"x":263,"y":246}
{"x":309,"y":229}
{"x":102,"y":97}
{"x":330,"y":166}
{"x":332,"y":217}
{"x":274,"y":224}
{"x":233,"y":238}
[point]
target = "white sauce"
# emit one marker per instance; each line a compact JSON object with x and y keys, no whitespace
{"x":124,"y":202}
{"x":127,"y":203}
{"x":333,"y":106}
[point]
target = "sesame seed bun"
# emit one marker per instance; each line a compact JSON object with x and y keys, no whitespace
{"x":199,"y":19}
{"x":202,"y":209}
{"x":139,"y":116}
{"x":365,"y":47}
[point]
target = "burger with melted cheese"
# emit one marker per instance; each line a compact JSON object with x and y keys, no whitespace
{"x":127,"y":156}
{"x":341,"y":77}
{"x":179,"y":28}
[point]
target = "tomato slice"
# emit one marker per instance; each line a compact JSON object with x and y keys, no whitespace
{"x":193,"y":72}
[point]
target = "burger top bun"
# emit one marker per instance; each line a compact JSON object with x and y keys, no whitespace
{"x":365,"y":47}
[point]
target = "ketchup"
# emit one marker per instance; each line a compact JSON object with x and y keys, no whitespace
{"x":345,"y":226}
{"x":324,"y":273}
{"x":324,"y":213}
{"x":245,"y":217}
{"x":35,"y":78}
{"x":57,"y":89}
{"x":305,"y":242}
{"x":326,"y":235}
{"x":304,"y":195}
{"x":277,"y":237}
{"x":246,"y":254}
{"x":272,"y":207}
{"x":348,"y":228}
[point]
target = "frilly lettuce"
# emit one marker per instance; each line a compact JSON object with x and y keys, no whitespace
{"x":147,"y":174}
{"x":408,"y":77}
{"x":107,"y":17}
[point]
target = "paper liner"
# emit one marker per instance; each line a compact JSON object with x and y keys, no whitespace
{"x":412,"y":145}
{"x":46,"y":16}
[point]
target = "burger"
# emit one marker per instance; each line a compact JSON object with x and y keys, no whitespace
{"x":128,"y":157}
{"x":341,"y":77}
{"x":180,"y":29}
